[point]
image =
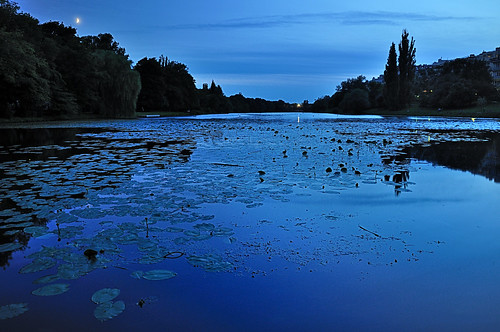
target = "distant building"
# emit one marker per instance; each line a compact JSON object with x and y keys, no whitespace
{"x":492,"y":58}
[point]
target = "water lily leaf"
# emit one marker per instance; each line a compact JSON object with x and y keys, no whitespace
{"x":211,"y":263}
{"x":50,"y":290}
{"x":12,"y":310}
{"x":137,"y":274}
{"x":46,"y":279}
{"x":109,"y":310}
{"x":174,"y":229}
{"x":205,"y":227}
{"x":105,"y":295}
{"x":37,"y":265}
{"x":158,"y":275}
{"x":9,"y":247}
{"x":36,"y":231}
{"x":181,"y":240}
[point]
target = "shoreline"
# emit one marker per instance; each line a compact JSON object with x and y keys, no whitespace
{"x":412,"y":112}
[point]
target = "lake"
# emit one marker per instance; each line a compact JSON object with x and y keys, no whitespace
{"x":251,"y":222}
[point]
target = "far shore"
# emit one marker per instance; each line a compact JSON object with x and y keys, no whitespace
{"x":490,"y":111}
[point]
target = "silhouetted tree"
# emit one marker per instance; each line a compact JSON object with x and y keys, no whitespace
{"x":355,"y":101}
{"x":166,"y":86}
{"x":391,"y":79}
{"x":406,"y":68}
{"x":458,"y":83}
{"x":47,"y":70}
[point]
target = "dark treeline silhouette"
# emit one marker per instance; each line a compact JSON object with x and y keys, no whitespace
{"x":213,"y":100}
{"x":47,"y":70}
{"x":352,"y":96}
{"x":455,"y":84}
{"x":167,"y":86}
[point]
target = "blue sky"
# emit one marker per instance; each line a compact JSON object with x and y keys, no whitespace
{"x":281,"y":49}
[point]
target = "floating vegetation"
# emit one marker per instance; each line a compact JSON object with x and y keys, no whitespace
{"x":51,"y":290}
{"x":110,"y":200}
{"x":47,"y":279}
{"x":210,"y":262}
{"x":158,"y":275}
{"x":10,"y":246}
{"x":105,"y":295}
{"x":13,"y":310}
{"x":109,"y":310}
{"x":39,"y":264}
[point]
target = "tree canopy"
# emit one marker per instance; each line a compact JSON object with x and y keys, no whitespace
{"x":166,"y":86}
{"x":399,"y":73}
{"x":47,"y":70}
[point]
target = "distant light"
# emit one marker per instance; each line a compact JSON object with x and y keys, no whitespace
{"x":298,"y":105}
{"x":77,"y":20}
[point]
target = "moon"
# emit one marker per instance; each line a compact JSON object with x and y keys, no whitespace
{"x":77,"y":20}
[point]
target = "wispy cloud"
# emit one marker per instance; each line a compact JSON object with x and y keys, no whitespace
{"x":345,"y":18}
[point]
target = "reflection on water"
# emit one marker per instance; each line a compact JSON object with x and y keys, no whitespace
{"x":478,"y":157}
{"x":222,"y":211}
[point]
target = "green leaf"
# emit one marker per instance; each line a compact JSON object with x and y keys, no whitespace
{"x":105,"y":295}
{"x":38,"y":265}
{"x":108,"y":310}
{"x":50,"y":290}
{"x":9,"y":247}
{"x":13,"y":310}
{"x":158,"y":275}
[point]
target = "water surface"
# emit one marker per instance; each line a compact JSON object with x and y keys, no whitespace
{"x":269,"y":222}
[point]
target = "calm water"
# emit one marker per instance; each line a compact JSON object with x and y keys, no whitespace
{"x":277,"y":222}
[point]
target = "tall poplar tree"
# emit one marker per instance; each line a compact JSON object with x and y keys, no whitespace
{"x":391,"y":89}
{"x":406,"y":68}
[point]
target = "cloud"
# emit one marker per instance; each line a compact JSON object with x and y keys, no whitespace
{"x":345,"y":18}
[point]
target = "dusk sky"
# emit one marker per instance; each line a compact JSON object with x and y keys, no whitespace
{"x":283,"y":49}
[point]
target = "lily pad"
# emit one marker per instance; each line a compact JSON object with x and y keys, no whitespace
{"x":109,"y":310}
{"x":105,"y":295}
{"x":12,"y":310}
{"x":210,"y":262}
{"x":158,"y":275}
{"x":38,"y":265}
{"x":50,"y":290}
{"x":46,"y":279}
{"x":36,"y":231}
{"x":9,"y":247}
{"x":137,"y":274}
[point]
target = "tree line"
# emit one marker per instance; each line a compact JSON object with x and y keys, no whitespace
{"x":454,"y":84}
{"x":167,"y":86}
{"x":47,"y":70}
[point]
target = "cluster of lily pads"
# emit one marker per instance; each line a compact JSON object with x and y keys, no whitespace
{"x":135,"y":190}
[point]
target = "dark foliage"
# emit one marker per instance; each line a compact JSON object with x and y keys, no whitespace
{"x":166,"y":86}
{"x":458,"y":83}
{"x":406,"y":64}
{"x":47,"y":70}
{"x":213,"y":100}
{"x":352,"y":96}
{"x":391,"y":78}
